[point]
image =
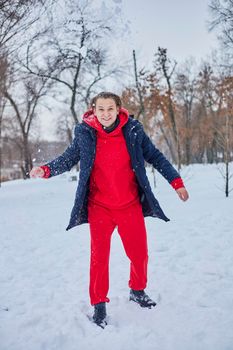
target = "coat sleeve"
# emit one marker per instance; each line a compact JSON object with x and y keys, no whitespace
{"x":153,"y":156}
{"x":68,"y":159}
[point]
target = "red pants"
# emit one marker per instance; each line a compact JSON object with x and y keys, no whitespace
{"x":131,"y":228}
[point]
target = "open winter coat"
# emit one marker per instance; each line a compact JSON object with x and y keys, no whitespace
{"x":140,"y":149}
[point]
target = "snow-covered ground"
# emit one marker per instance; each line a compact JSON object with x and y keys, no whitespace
{"x":44,"y":271}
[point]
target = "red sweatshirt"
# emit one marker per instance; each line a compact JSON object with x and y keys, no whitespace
{"x":112,"y":182}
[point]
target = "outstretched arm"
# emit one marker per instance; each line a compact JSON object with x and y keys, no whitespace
{"x":62,"y":163}
{"x":153,"y":156}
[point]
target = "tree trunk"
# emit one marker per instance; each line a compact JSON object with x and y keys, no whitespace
{"x":227,"y":155}
{"x":0,"y":149}
{"x":27,"y":159}
{"x":142,"y":107}
{"x":168,"y":143}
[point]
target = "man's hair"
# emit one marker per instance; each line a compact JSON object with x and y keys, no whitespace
{"x":106,"y":95}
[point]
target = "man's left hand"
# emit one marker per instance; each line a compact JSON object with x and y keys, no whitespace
{"x":183,"y":193}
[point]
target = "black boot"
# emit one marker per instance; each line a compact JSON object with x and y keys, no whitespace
{"x":141,"y":298}
{"x":100,"y":314}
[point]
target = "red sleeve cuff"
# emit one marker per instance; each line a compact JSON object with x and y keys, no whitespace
{"x":177,"y":183}
{"x":46,"y":171}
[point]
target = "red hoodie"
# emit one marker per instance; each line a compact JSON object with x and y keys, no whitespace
{"x":112,"y":182}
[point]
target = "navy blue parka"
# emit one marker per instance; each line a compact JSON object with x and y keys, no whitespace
{"x":140,"y":149}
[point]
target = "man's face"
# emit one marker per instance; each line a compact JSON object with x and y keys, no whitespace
{"x":106,"y":111}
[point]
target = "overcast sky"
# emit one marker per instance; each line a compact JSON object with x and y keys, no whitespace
{"x":178,"y":25}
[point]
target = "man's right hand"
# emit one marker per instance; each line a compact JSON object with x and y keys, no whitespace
{"x":37,"y":172}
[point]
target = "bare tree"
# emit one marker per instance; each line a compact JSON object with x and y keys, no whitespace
{"x":222,"y":20}
{"x":141,"y":112}
{"x":97,"y":70}
{"x":2,"y":107}
{"x":72,"y":54}
{"x":167,"y":69}
{"x":185,"y":89}
{"x":225,"y":130}
{"x":3,"y":77}
{"x":16,"y":16}
{"x":224,"y":141}
{"x":24,"y":108}
{"x":210,"y":95}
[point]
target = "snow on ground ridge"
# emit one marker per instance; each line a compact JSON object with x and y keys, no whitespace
{"x":44,"y":271}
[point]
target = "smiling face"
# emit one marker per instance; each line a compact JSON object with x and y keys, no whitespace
{"x":106,"y":111}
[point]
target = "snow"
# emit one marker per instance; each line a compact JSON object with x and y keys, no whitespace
{"x":45,"y":271}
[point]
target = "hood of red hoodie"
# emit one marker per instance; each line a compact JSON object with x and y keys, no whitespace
{"x":90,"y":119}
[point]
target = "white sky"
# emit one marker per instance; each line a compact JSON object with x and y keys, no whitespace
{"x":179,"y":25}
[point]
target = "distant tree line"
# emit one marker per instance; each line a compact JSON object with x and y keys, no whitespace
{"x":187,"y":109}
{"x":55,"y":52}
